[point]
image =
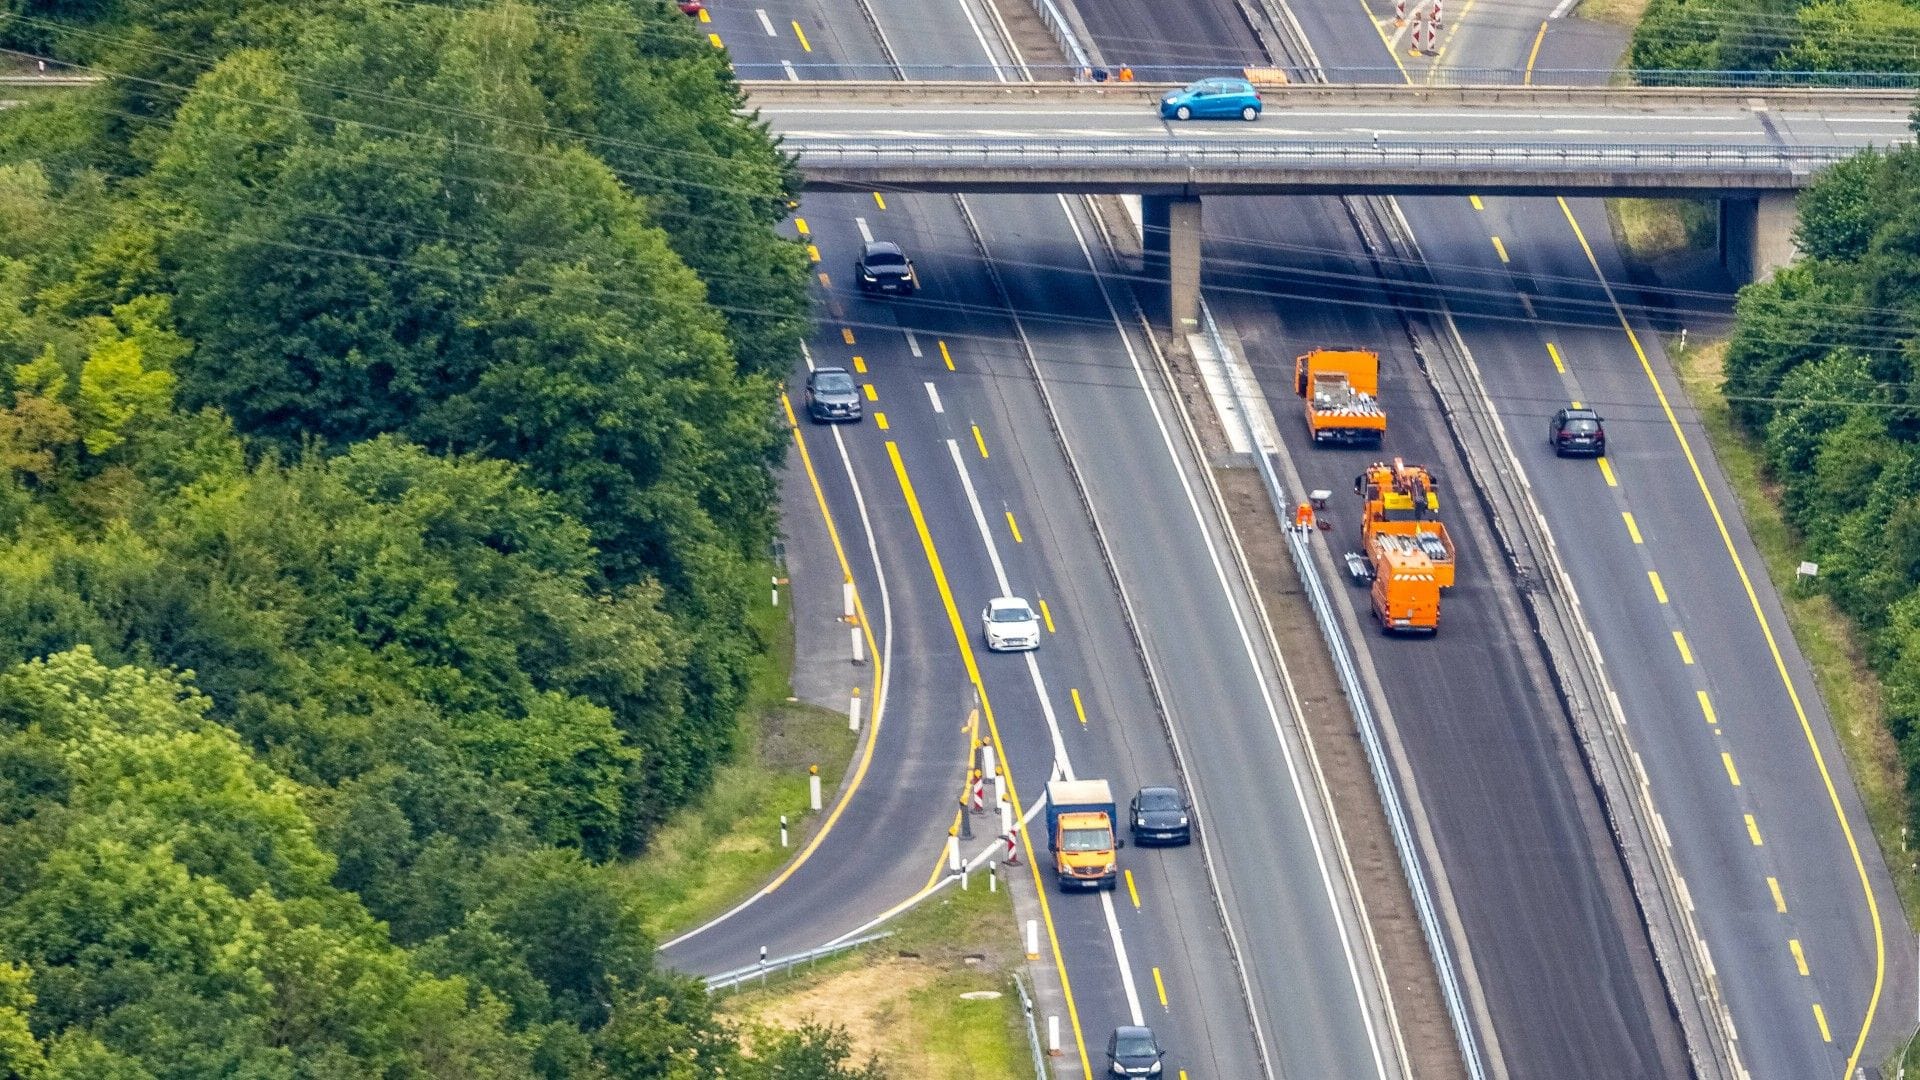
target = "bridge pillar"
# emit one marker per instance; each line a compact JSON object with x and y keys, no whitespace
{"x":1756,"y":234}
{"x":1170,"y":243}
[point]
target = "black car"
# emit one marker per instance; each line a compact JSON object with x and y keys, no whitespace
{"x":832,"y":395}
{"x":1160,"y":815}
{"x":883,"y":267}
{"x":1133,"y":1051}
{"x":1577,"y":431}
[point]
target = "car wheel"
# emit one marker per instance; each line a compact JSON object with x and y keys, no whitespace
{"x":1183,"y":113}
{"x":1249,"y":113}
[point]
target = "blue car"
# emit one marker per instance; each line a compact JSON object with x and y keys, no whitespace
{"x":1218,"y":99}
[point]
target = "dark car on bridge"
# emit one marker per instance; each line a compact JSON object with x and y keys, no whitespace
{"x":883,"y":267}
{"x":1160,"y":815}
{"x":832,"y":395}
{"x":1577,"y":431}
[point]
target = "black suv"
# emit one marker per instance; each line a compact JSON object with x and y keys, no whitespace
{"x":832,"y":395}
{"x":883,"y":267}
{"x":1577,"y":431}
{"x":1160,"y":815}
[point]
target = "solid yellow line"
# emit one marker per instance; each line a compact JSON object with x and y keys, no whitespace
{"x":1078,"y":709}
{"x":1500,"y":249}
{"x":825,"y":281}
{"x":1820,"y":1017}
{"x":1733,"y":774}
{"x":1131,"y":891}
{"x":1773,"y":646}
{"x":1535,"y":54}
{"x":1160,"y":987}
{"x":1555,"y":353}
{"x":882,"y":203}
{"x":1015,"y":526}
{"x":1753,"y":830}
{"x":880,"y":420}
{"x":1606,"y":470}
{"x":980,"y":440}
{"x":1799,"y":955}
{"x":1633,"y":530}
{"x":1680,"y":642}
{"x":802,"y":35}
{"x":872,"y":394}
{"x":1779,"y":898}
{"x":846,"y":334}
{"x":860,"y":365}
{"x":800,"y":224}
{"x":945,"y":355}
{"x":1706,"y":707}
{"x":965,"y":642}
{"x":813,"y":252}
{"x":1659,"y":590}
{"x":873,"y":652}
{"x":1477,"y":204}
{"x":1046,"y":615}
{"x":715,"y":38}
{"x":1387,"y":41}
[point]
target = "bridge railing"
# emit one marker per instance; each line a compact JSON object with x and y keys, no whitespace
{"x":1447,"y":75}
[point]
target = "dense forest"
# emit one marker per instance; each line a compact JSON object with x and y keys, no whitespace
{"x":1778,"y":36}
{"x":386,"y":425}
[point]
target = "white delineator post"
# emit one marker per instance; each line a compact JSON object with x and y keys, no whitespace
{"x":783,"y":830}
{"x":813,"y":787}
{"x":953,"y":850}
{"x":846,"y":599}
{"x":859,"y":646}
{"x":853,"y":711}
{"x":1033,"y":939}
{"x":1053,"y":1035}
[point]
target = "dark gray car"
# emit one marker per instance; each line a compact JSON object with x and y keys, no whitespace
{"x":1160,"y":815}
{"x":883,"y":267}
{"x":832,"y":395}
{"x":1133,"y":1051}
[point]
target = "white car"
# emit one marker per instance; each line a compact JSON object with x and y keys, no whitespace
{"x":1010,"y":624}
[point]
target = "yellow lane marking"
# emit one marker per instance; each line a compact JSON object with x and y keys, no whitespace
{"x":860,"y":364}
{"x":880,"y":419}
{"x":1079,"y":709}
{"x":1535,"y":54}
{"x":872,"y":394}
{"x":1385,"y":40}
{"x":1706,"y":707}
{"x":800,"y":224}
{"x":704,"y":17}
{"x":1555,"y":353}
{"x":813,"y":252}
{"x":1477,"y":204}
{"x":1046,"y":615}
{"x":1500,"y":249}
{"x":1633,"y":530}
{"x":1132,"y":893}
{"x":965,"y":642}
{"x":1779,"y":898}
{"x":1753,"y":830}
{"x":1659,"y":590}
{"x":1160,"y":987}
{"x":846,"y":334}
{"x":715,"y":38}
{"x":1577,"y":405}
{"x":1015,"y":527}
{"x":882,"y":203}
{"x":1680,"y":642}
{"x":1820,"y":1017}
{"x":873,"y":653}
{"x":825,"y":281}
{"x":1773,"y":647}
{"x":1799,"y":955}
{"x":802,"y":35}
{"x":945,"y":355}
{"x":980,"y":440}
{"x":1733,"y":774}
{"x":1606,"y":470}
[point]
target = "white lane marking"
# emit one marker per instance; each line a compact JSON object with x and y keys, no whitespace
{"x":792,"y":75}
{"x":980,"y":518}
{"x":913,"y":343}
{"x":1120,"y":951}
{"x":1246,"y":642}
{"x":766,"y":22}
{"x":866,"y":234}
{"x":987,"y":51}
{"x":934,"y":393}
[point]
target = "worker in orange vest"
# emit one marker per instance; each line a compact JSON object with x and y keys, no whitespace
{"x":1126,"y":73}
{"x":1303,"y":516}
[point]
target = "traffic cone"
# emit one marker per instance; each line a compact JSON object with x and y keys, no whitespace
{"x":1013,"y":852}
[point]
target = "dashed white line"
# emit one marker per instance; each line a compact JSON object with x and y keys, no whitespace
{"x":792,"y":75}
{"x":913,"y":343}
{"x":866,"y":234}
{"x":933,"y":392}
{"x":766,"y":22}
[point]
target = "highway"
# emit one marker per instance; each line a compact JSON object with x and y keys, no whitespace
{"x":968,"y":492}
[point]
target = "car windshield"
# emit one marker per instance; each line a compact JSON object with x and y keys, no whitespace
{"x":1199,"y":88}
{"x":1159,"y":800}
{"x":886,"y":258}
{"x":1131,"y":1046}
{"x":836,"y":382}
{"x":1578,"y":426}
{"x":1086,"y":840}
{"x":1015,"y":613}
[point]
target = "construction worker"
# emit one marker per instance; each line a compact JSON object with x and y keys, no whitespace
{"x":1126,"y":73}
{"x":1303,"y":517}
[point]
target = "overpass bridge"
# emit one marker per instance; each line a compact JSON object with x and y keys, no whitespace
{"x":1751,"y":150}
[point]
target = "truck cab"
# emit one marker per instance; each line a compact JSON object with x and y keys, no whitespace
{"x":1080,"y":834}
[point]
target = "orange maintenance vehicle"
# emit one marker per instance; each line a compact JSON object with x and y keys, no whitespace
{"x":1409,"y":555}
{"x":1342,"y":390}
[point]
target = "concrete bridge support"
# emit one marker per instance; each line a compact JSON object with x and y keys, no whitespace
{"x":1170,"y":227}
{"x":1756,"y":234}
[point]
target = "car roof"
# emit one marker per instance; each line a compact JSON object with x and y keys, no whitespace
{"x":881,"y":247}
{"x":1580,"y":414}
{"x":1007,"y":601}
{"x":817,"y":372}
{"x":1133,"y":1031}
{"x":1160,"y":790}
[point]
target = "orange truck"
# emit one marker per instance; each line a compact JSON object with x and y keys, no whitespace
{"x":1406,"y":589}
{"x":1409,"y":555}
{"x":1080,"y":836}
{"x":1341,"y":389}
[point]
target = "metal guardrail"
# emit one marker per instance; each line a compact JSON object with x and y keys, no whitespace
{"x":1364,"y":722}
{"x":1033,"y":1029}
{"x":1447,"y":75}
{"x":732,"y":979}
{"x":1056,"y":21}
{"x":1393,"y":99}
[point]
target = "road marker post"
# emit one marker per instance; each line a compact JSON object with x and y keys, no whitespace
{"x":763,"y":954}
{"x":1053,"y":1035}
{"x":965,"y":873}
{"x":853,"y":711}
{"x":859,"y":646}
{"x":986,"y":762}
{"x":993,"y":878}
{"x":1000,"y":787}
{"x":783,"y":830}
{"x":966,"y":820}
{"x":953,"y":850}
{"x":813,"y":787}
{"x":846,"y":599}
{"x":1033,"y":939}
